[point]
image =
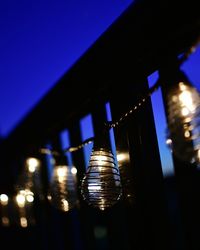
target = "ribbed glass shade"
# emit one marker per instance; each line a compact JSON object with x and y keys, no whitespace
{"x":63,"y":193}
{"x":101,"y":185}
{"x":183,"y":105}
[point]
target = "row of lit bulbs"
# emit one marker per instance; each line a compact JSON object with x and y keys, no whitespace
{"x":19,"y":205}
{"x":101,"y":186}
{"x":63,"y":187}
{"x":18,"y":209}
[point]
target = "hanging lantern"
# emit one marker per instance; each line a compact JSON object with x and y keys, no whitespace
{"x":183,"y":108}
{"x":63,"y":191}
{"x":101,"y":185}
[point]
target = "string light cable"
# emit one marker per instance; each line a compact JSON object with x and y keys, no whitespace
{"x":113,"y":124}
{"x":109,"y":125}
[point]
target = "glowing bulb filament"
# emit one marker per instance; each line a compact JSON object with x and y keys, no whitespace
{"x":61,"y":173}
{"x":23,"y":222}
{"x":101,"y":185}
{"x":33,"y":164}
{"x":30,"y":198}
{"x":74,"y":170}
{"x":186,"y":100}
{"x":65,"y":205}
{"x":4,"y":199}
{"x":20,"y":199}
{"x":93,"y":187}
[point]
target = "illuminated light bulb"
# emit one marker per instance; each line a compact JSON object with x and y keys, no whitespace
{"x":122,"y":157}
{"x":33,"y":164}
{"x":4,"y":199}
{"x":5,"y":221}
{"x":101,"y":185}
{"x":23,"y":196}
{"x":63,"y":191}
{"x":65,"y":205}
{"x":20,"y":199}
{"x":169,"y":142}
{"x":23,"y":222}
{"x":73,"y":170}
{"x":183,"y":107}
{"x":30,"y":198}
{"x":49,"y":197}
{"x":61,"y":173}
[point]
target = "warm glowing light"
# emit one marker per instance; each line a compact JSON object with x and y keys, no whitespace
{"x":122,"y":157}
{"x":182,"y":86}
{"x":24,"y":195}
{"x":185,"y":111}
{"x":174,"y":98}
{"x":33,"y":164}
{"x":102,"y":204}
{"x":30,"y":198}
{"x":5,"y":221}
{"x":187,"y":134}
{"x":101,"y":185}
{"x":62,"y":191}
{"x":65,"y":205}
{"x":93,"y":187}
{"x":49,"y":197}
{"x":100,"y":160}
{"x":4,"y":199}
{"x":26,"y":192}
{"x":168,"y":141}
{"x":186,"y":100}
{"x":198,"y":154}
{"x":23,"y":222}
{"x":73,"y":170}
{"x":20,"y":199}
{"x":23,"y":192}
{"x":61,"y":172}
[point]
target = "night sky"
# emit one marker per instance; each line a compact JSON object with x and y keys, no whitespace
{"x":39,"y":41}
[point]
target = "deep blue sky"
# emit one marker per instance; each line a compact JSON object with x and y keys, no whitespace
{"x":39,"y":41}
